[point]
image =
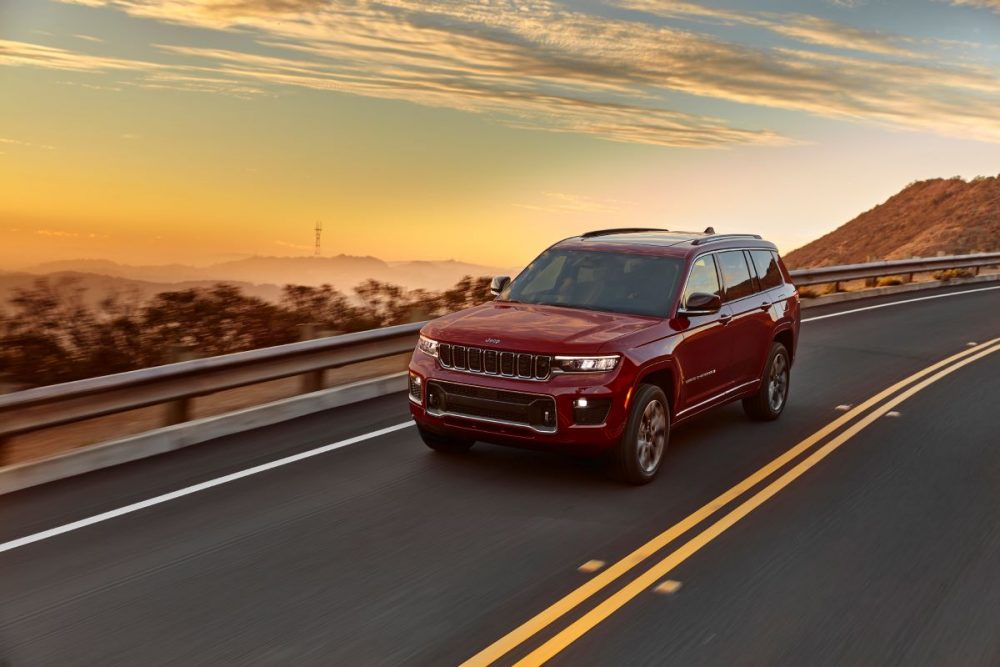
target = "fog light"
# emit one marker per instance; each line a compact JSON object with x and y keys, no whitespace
{"x":416,"y":387}
{"x":590,"y":412}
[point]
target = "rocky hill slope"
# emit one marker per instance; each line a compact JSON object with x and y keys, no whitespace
{"x":927,"y":218}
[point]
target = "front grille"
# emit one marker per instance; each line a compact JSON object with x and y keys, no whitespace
{"x":534,"y":411}
{"x":495,"y":362}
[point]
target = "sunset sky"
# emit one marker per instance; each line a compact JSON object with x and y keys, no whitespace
{"x":159,"y":131}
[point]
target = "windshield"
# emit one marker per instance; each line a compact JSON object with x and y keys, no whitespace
{"x":609,"y":281}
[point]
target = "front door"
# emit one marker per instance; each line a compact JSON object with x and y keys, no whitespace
{"x":703,"y":357}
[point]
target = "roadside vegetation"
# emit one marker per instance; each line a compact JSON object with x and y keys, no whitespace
{"x":49,"y":333}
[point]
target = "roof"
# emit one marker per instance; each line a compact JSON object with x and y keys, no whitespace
{"x":651,"y":240}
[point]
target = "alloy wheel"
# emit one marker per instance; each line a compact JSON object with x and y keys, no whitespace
{"x":777,"y":384}
{"x":652,"y":436}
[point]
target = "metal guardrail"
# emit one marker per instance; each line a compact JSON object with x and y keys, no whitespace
{"x":55,"y":405}
{"x":894,"y":267}
{"x":174,"y":384}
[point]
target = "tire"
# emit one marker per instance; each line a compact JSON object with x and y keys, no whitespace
{"x":639,"y":453}
{"x":444,"y":443}
{"x":772,"y":396}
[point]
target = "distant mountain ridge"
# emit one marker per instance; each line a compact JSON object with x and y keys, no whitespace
{"x":97,"y":287}
{"x":342,"y":271}
{"x":927,"y":218}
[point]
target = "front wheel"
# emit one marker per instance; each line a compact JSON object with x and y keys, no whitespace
{"x":637,"y":457}
{"x":769,"y":401}
{"x":444,"y":443}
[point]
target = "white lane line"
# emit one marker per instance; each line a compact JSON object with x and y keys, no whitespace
{"x":897,"y":303}
{"x":187,"y":491}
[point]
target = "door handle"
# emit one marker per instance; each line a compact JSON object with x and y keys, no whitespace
{"x":725,"y":318}
{"x":765,"y":306}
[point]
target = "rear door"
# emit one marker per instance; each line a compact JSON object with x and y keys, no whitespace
{"x":703,"y":355}
{"x":769,"y":301}
{"x":746,"y":333}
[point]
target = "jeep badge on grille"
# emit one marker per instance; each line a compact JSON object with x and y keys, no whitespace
{"x":493,"y":341}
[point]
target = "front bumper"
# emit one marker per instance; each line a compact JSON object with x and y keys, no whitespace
{"x":563,"y":389}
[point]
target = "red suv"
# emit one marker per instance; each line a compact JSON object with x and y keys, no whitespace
{"x":608,"y":339}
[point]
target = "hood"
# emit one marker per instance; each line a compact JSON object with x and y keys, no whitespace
{"x":534,"y":328}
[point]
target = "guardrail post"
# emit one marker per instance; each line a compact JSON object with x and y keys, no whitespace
{"x":179,"y":410}
{"x":313,"y":380}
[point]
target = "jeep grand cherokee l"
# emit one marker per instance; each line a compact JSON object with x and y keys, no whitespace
{"x":606,"y":341}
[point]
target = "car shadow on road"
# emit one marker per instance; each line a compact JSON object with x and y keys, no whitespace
{"x":693,"y":448}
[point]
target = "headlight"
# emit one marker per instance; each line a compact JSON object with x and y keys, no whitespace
{"x":428,"y":346}
{"x":586,"y":364}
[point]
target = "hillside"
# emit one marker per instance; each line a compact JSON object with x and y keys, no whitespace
{"x":927,"y":218}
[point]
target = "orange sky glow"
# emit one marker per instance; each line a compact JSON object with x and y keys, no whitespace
{"x":195,"y":131}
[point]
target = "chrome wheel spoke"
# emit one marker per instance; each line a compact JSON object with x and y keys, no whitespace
{"x":651,"y":437}
{"x":777,"y":385}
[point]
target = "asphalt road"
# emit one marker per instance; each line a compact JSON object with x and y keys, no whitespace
{"x":383,"y":552}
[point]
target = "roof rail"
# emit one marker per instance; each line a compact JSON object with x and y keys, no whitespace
{"x":621,"y":230}
{"x":723,"y":237}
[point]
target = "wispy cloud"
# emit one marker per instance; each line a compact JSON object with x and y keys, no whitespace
{"x":805,"y":28}
{"x":564,"y":202}
{"x":547,"y":66}
{"x":15,"y":53}
{"x":984,"y":4}
{"x":26,"y":144}
{"x":90,"y":38}
{"x":294,"y":246}
{"x":62,"y":234}
{"x":152,"y":74}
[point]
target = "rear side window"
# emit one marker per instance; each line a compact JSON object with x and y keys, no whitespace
{"x":735,"y":275}
{"x":702,"y":278}
{"x":767,"y":268}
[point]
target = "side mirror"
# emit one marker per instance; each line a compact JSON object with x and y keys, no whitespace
{"x":702,"y":303}
{"x":498,"y":284}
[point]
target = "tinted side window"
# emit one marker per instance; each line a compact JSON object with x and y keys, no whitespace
{"x":767,"y":268}
{"x":735,"y":275}
{"x":702,"y":278}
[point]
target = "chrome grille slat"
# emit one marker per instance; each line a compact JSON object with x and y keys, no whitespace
{"x":499,"y":363}
{"x":524,"y":366}
{"x":491,"y":362}
{"x":507,"y":363}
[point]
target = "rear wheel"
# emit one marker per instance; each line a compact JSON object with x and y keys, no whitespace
{"x":444,"y":443}
{"x":637,"y":457}
{"x":769,"y":401}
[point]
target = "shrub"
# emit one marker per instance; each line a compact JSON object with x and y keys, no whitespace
{"x":950,"y":274}
{"x":887,"y":281}
{"x":50,"y":334}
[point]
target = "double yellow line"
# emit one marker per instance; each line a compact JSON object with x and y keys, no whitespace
{"x":858,"y":418}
